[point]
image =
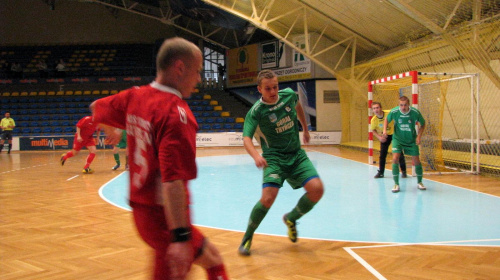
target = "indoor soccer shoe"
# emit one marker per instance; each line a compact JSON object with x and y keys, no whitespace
{"x":87,"y":171}
{"x":116,"y":167}
{"x":244,"y":248}
{"x":404,"y":175}
{"x":395,"y":189}
{"x":62,"y":159}
{"x":292,"y":231}
{"x":421,"y":186}
{"x":378,"y":175}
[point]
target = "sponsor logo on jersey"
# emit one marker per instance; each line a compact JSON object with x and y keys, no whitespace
{"x":288,"y":109}
{"x":273,"y":118}
{"x":182,"y":114}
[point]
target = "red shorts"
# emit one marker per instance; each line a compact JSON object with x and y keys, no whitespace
{"x":86,"y":142}
{"x":152,"y":227}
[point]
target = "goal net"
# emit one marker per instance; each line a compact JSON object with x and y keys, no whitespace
{"x":449,"y":103}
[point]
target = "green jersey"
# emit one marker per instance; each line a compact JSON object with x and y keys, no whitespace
{"x":275,"y":126}
{"x":404,"y":124}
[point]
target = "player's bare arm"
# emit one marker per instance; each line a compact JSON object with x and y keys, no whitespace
{"x":260,"y":161}
{"x":302,"y":119}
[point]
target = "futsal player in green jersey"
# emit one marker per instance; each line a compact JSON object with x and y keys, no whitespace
{"x":272,"y":120}
{"x":405,"y":138}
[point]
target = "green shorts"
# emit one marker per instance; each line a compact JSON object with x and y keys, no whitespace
{"x":123,"y":141}
{"x":410,"y":150}
{"x":295,"y":168}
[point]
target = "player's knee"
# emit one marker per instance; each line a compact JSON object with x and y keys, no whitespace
{"x":315,"y":189}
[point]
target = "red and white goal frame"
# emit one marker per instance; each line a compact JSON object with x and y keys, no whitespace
{"x":474,"y":110}
{"x":414,"y":94}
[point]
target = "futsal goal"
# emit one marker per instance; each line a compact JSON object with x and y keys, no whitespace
{"x":449,"y":103}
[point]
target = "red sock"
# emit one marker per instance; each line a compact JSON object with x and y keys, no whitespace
{"x":217,"y":272}
{"x":68,"y":155}
{"x":90,"y":158}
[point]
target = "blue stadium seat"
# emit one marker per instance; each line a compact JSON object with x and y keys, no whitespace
{"x":205,"y":114}
{"x":219,"y":120}
{"x":230,"y":120}
{"x":35,"y":118}
{"x":209,"y":108}
{"x":54,"y":123}
{"x":210,"y":120}
{"x":65,"y":123}
{"x":200,"y":120}
{"x":216,"y":114}
{"x":58,"y":130}
{"x":47,"y":130}
{"x":26,"y":130}
{"x":44,"y":123}
{"x":69,"y":129}
{"x":16,"y":130}
{"x":238,"y":126}
{"x":196,"y":114}
{"x":64,"y":117}
{"x":205,"y":127}
{"x":216,"y":126}
{"x":36,"y":130}
{"x":34,"y":124}
{"x":228,"y":126}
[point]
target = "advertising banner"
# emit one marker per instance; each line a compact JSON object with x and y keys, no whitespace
{"x":242,"y":66}
{"x":53,"y":143}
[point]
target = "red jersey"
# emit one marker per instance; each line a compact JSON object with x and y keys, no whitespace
{"x":161,"y":136}
{"x":87,"y":127}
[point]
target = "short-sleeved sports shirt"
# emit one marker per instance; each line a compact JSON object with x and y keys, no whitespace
{"x":404,"y":124}
{"x":161,"y":131}
{"x":275,"y":126}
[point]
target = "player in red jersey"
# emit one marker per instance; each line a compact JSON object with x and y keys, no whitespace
{"x":161,"y":137}
{"x":85,"y":129}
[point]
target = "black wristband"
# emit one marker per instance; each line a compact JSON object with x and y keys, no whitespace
{"x":181,"y":234}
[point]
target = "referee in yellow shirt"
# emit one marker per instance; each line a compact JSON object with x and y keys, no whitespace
{"x":377,"y":123}
{"x":7,"y":124}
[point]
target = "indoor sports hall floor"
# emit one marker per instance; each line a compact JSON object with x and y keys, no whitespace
{"x":359,"y":230}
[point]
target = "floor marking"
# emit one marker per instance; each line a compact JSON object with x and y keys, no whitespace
{"x":72,"y":177}
{"x":365,"y":264}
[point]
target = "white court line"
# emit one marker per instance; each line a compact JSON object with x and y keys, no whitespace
{"x":365,"y":264}
{"x":380,"y":276}
{"x":72,"y":178}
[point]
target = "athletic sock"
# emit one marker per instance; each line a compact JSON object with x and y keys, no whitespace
{"x":395,"y":173}
{"x":420,"y":172}
{"x":90,"y":158}
{"x":68,"y":155}
{"x":10,"y":147}
{"x":217,"y":272}
{"x":256,"y":217}
{"x":117,"y":158}
{"x":303,"y":206}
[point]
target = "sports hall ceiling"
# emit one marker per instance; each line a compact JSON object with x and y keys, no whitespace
{"x":359,"y":30}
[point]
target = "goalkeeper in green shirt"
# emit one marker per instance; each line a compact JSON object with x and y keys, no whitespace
{"x":405,"y":138}
{"x":273,"y":121}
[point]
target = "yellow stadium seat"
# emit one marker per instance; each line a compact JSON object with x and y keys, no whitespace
{"x":240,"y":120}
{"x":69,"y":92}
{"x":42,"y":93}
{"x":6,"y":94}
{"x":87,"y":92}
{"x":96,"y":92}
{"x":214,"y":103}
{"x":51,"y":93}
{"x":218,"y":108}
{"x":196,"y":90}
{"x":114,"y":91}
{"x":78,"y":92}
{"x":33,"y":93}
{"x":15,"y":93}
{"x":60,"y":92}
{"x":24,"y":93}
{"x":225,"y":114}
{"x":105,"y":91}
{"x":207,"y":96}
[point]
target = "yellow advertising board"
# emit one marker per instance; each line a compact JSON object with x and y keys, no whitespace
{"x":243,"y":66}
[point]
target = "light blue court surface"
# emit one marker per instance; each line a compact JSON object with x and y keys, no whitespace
{"x":355,"y":207}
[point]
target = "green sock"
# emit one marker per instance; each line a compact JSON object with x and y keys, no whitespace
{"x":395,"y":173}
{"x":117,"y":158}
{"x":303,"y":206}
{"x":420,"y":172}
{"x":257,"y":215}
